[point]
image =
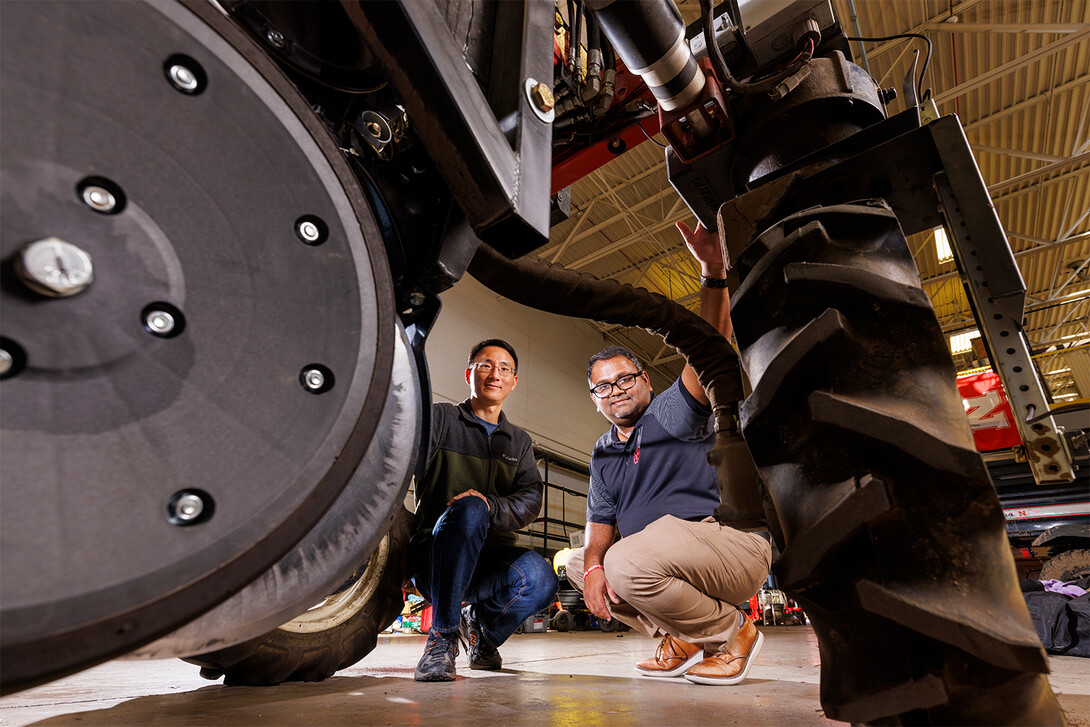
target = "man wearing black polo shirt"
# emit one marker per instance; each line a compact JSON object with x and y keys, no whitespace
{"x":481,"y":485}
{"x":675,"y":572}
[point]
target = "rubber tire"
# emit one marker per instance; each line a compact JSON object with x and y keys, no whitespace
{"x":563,"y":621}
{"x":283,"y":656}
{"x":609,"y":626}
{"x":895,"y":541}
{"x":1067,"y":566}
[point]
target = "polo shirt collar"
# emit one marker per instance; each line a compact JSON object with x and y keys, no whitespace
{"x":611,"y":436}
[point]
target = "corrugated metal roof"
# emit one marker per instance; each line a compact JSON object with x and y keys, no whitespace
{"x":1016,"y":73}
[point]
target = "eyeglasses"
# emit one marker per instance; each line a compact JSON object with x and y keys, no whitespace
{"x":624,"y":383}
{"x":486,"y":368}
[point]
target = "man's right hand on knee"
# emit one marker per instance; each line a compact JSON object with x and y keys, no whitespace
{"x":597,"y":593}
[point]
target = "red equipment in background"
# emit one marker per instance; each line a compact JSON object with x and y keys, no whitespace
{"x":989,"y":412}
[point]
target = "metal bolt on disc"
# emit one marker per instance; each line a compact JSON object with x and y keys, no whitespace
{"x":190,"y":507}
{"x":311,"y":230}
{"x":101,"y":195}
{"x":276,"y":39}
{"x":163,"y":319}
{"x":185,"y":74}
{"x":183,"y":78}
{"x":316,"y":378}
{"x":54,"y":267}
{"x":99,"y":198}
{"x":160,"y":321}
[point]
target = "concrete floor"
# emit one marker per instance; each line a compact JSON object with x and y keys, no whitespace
{"x":579,"y":678}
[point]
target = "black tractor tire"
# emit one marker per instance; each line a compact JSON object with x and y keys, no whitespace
{"x":894,"y":537}
{"x":330,"y":637}
{"x":563,"y":621}
{"x":1067,"y":566}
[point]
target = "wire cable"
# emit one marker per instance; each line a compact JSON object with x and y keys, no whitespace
{"x":926,"y":61}
{"x":656,"y":143}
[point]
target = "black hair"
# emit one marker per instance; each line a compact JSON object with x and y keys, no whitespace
{"x":613,"y":352}
{"x":495,"y":342}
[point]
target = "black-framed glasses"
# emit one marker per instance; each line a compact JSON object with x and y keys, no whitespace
{"x":624,"y":383}
{"x":486,"y":368}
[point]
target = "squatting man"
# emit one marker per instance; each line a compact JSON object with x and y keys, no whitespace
{"x":675,"y":572}
{"x":481,"y":485}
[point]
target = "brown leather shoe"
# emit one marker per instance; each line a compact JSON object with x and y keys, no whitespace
{"x":730,"y":666}
{"x":672,"y":658}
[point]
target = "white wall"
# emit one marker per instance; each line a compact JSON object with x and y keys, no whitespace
{"x":550,"y":401}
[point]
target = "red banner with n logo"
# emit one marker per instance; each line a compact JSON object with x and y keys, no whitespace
{"x":989,"y":411}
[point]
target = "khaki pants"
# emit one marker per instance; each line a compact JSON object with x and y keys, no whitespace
{"x":683,"y":578}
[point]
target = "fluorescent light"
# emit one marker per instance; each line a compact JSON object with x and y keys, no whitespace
{"x":942,"y":245}
{"x":962,"y":342}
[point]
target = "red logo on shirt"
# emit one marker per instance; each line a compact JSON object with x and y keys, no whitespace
{"x":636,"y":457}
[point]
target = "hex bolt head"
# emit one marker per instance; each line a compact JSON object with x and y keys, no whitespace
{"x":276,"y":39}
{"x":54,"y":267}
{"x":374,"y":129}
{"x":160,"y":321}
{"x":99,"y":199}
{"x":542,"y":97}
{"x":416,"y":298}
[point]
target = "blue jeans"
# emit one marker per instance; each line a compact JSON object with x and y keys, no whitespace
{"x":507,"y":584}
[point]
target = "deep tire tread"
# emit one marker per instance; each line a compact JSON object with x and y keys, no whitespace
{"x":894,"y":536}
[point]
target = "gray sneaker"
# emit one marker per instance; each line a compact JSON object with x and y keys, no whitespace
{"x":437,"y":663}
{"x":482,"y":655}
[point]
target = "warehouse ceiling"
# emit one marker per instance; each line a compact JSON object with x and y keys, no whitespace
{"x":1014,"y":71}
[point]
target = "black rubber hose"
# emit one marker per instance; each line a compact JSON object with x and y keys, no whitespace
{"x":555,"y":289}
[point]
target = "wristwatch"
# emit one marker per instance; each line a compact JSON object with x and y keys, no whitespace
{"x":717,"y":283}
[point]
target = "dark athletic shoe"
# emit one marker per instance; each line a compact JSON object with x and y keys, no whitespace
{"x":437,"y":663}
{"x":482,"y":655}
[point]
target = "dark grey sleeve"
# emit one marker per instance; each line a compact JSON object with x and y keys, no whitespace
{"x":601,"y":507}
{"x":681,"y":415}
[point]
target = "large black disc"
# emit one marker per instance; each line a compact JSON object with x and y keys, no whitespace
{"x":153,"y":464}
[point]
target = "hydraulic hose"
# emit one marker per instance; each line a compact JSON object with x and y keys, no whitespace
{"x":555,"y":289}
{"x":650,"y":38}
